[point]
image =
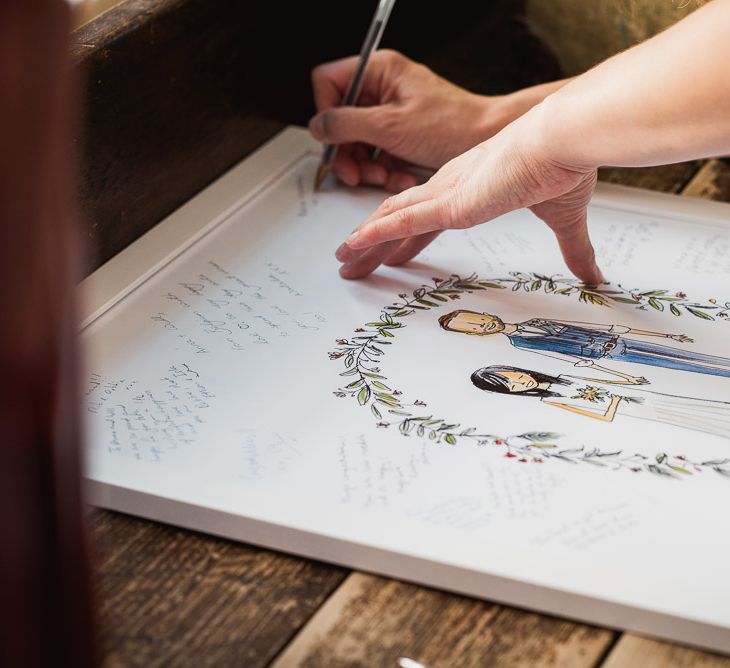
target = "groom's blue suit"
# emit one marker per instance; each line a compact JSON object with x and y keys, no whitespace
{"x":597,"y":342}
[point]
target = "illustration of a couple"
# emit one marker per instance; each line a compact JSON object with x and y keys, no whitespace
{"x":584,"y":345}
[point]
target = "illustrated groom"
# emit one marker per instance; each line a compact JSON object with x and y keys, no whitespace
{"x":584,"y":344}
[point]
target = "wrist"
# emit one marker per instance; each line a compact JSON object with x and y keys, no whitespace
{"x":496,"y":112}
{"x":491,"y":114}
{"x":548,"y":135}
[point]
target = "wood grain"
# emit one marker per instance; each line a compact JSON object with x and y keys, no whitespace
{"x":374,"y":621}
{"x":666,"y":178}
{"x":632,"y":650}
{"x":170,"y":597}
{"x":711,"y":182}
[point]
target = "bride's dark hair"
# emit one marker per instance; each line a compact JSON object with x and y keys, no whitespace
{"x":490,"y":379}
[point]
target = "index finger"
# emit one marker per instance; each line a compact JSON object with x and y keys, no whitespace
{"x":330,"y":81}
{"x":409,"y":221}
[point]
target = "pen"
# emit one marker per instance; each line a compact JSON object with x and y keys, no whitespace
{"x":372,"y":39}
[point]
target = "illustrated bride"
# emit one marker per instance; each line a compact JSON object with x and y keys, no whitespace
{"x":604,"y":401}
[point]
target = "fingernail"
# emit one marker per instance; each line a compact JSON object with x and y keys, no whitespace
{"x":352,"y":239}
{"x":316,"y":126}
{"x":346,"y":272}
{"x":341,"y":251}
{"x":599,"y":273}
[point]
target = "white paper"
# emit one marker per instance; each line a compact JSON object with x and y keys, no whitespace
{"x":215,"y":401}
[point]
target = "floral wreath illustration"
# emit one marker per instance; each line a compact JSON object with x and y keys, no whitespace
{"x":362,"y":353}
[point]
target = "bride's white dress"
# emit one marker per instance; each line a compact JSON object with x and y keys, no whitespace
{"x":706,"y":415}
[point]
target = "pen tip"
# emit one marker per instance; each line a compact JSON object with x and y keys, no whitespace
{"x":321,"y":174}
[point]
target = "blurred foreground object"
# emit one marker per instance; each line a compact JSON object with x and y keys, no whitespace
{"x":45,"y":612}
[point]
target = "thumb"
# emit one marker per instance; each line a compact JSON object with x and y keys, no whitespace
{"x":567,"y":217}
{"x":344,"y":125}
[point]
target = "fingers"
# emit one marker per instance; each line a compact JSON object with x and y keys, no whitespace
{"x":412,"y":220}
{"x":409,"y":248}
{"x":372,"y":173}
{"x":353,"y":166}
{"x":362,"y":263}
{"x":400,"y":181}
{"x":577,"y":249}
{"x":385,"y":170}
{"x":345,"y":167}
{"x":330,"y":81}
{"x":566,"y":215}
{"x":343,"y":125}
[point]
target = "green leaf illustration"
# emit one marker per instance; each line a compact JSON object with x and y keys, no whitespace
{"x":363,"y":395}
{"x":361,"y":353}
{"x":385,"y":402}
{"x":540,"y":435}
{"x":699,"y":314}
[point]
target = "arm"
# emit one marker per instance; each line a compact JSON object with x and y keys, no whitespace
{"x":649,"y":105}
{"x":625,"y":379}
{"x":614,"y":329}
{"x":623,"y":329}
{"x":665,"y":100}
{"x":675,"y":337}
{"x":608,"y":416}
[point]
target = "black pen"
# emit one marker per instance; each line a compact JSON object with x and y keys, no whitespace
{"x":372,"y":39}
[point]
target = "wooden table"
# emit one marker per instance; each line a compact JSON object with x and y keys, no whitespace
{"x":169,"y":597}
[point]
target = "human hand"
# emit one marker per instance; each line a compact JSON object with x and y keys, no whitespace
{"x":412,"y":114}
{"x":681,"y":338}
{"x":510,"y":171}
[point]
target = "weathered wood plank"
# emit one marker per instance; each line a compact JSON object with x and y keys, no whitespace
{"x":169,"y":597}
{"x":374,"y":621}
{"x":631,"y":651}
{"x":711,"y":182}
{"x":178,"y":91}
{"x":667,"y":178}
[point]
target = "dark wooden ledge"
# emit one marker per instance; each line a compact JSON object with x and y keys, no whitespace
{"x":177,"y":91}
